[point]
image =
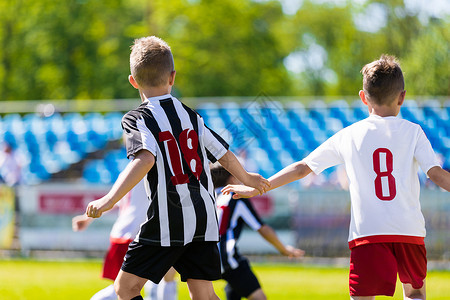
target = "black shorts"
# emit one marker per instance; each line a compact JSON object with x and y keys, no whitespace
{"x":242,"y":279}
{"x":196,"y":260}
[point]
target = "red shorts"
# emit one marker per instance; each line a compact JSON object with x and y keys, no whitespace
{"x":374,"y":268}
{"x":114,"y":259}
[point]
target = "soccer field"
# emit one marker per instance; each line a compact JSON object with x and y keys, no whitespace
{"x":26,"y":279}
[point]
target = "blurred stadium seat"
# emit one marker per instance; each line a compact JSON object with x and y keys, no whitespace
{"x":273,"y":135}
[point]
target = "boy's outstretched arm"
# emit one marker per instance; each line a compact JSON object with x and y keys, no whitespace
{"x":133,"y":173}
{"x":230,"y":162}
{"x":81,"y":222}
{"x":440,"y":177}
{"x":269,"y":235}
{"x":293,"y":172}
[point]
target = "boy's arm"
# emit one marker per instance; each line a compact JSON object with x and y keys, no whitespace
{"x":81,"y":222}
{"x":133,"y":173}
{"x":269,"y":235}
{"x":293,"y":172}
{"x":232,"y":164}
{"x":440,"y":177}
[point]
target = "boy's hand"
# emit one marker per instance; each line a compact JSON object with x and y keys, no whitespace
{"x":258,"y":182}
{"x":240,"y":191}
{"x":96,"y":208}
{"x":292,"y":252}
{"x":81,"y":222}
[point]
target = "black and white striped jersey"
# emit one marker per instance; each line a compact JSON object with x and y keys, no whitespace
{"x":179,"y":186}
{"x":233,"y":214}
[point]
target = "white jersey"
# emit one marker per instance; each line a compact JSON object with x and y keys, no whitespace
{"x":132,"y":213}
{"x":381,"y":156}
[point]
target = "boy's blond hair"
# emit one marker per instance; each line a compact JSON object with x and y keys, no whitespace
{"x":383,"y":80}
{"x":151,"y":61}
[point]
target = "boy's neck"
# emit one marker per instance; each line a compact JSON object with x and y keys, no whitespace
{"x":154,"y":92}
{"x":391,"y":110}
{"x":384,"y":111}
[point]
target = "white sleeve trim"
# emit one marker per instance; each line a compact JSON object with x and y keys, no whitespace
{"x":148,"y":140}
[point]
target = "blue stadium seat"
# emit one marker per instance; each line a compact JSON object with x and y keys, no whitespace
{"x":65,"y":154}
{"x":31,"y":142}
{"x":360,"y":111}
{"x":9,"y":138}
{"x":115,"y":162}
{"x":230,"y":109}
{"x":262,"y":160}
{"x":113,"y":123}
{"x":96,"y":172}
{"x":341,"y":110}
{"x":412,"y":112}
{"x":274,"y":135}
{"x":318,"y":110}
{"x":333,"y":125}
{"x":208,"y":110}
{"x":36,"y":167}
{"x":51,"y":139}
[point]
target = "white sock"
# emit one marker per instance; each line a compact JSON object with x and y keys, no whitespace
{"x":151,"y":291}
{"x":108,"y":293}
{"x":167,"y":290}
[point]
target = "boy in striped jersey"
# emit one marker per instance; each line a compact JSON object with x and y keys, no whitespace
{"x":381,"y":155}
{"x":233,"y":214}
{"x":171,"y":147}
{"x":132,"y":213}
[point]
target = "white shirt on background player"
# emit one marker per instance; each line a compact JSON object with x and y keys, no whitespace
{"x":132,"y":213}
{"x":381,"y":157}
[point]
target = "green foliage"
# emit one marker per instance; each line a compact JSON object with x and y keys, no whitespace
{"x":78,"y":49}
{"x":426,"y":63}
{"x":225,"y":47}
{"x":422,"y":48}
{"x":65,"y":49}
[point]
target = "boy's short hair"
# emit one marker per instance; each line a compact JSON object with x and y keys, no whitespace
{"x":383,"y":80}
{"x":151,"y":61}
{"x":219,"y":175}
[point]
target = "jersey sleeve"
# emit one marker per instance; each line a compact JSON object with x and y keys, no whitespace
{"x":216,"y":147}
{"x":248,"y":214}
{"x":137,"y":135}
{"x":424,"y":153}
{"x":325,"y":156}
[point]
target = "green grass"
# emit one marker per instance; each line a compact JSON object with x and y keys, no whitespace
{"x":27,"y":279}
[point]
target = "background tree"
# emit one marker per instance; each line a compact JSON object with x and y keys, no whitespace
{"x":224,"y":47}
{"x":65,"y":49}
{"x":78,"y":49}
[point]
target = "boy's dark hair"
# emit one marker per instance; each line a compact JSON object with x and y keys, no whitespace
{"x":151,"y":61}
{"x":383,"y":80}
{"x":219,"y":175}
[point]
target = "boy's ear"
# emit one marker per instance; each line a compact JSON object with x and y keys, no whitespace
{"x":401,"y":97}
{"x":362,"y":95}
{"x":133,"y":82}
{"x":172,"y":77}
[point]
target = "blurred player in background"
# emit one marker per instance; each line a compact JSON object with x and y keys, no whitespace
{"x":170,"y":146}
{"x":10,"y":167}
{"x":233,"y":214}
{"x":132,"y":213}
{"x":381,"y":155}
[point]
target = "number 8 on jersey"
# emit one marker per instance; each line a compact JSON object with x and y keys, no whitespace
{"x":389,"y":163}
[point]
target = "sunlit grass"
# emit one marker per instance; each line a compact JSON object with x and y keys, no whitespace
{"x":27,"y":279}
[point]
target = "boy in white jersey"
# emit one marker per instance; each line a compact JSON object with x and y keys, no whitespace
{"x":170,"y":147}
{"x":381,"y":155}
